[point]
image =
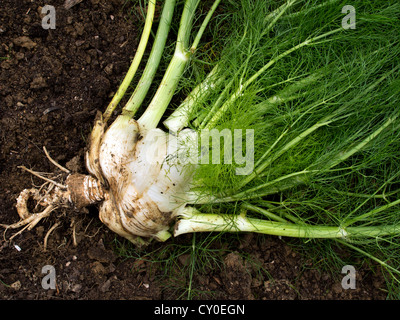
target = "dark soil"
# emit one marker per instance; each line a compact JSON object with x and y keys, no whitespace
{"x":52,"y":82}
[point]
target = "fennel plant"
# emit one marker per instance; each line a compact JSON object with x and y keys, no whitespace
{"x":321,"y":102}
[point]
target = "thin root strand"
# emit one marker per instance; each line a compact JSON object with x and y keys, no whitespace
{"x":54,"y":162}
{"x":61,"y":186}
{"x":48,"y":234}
